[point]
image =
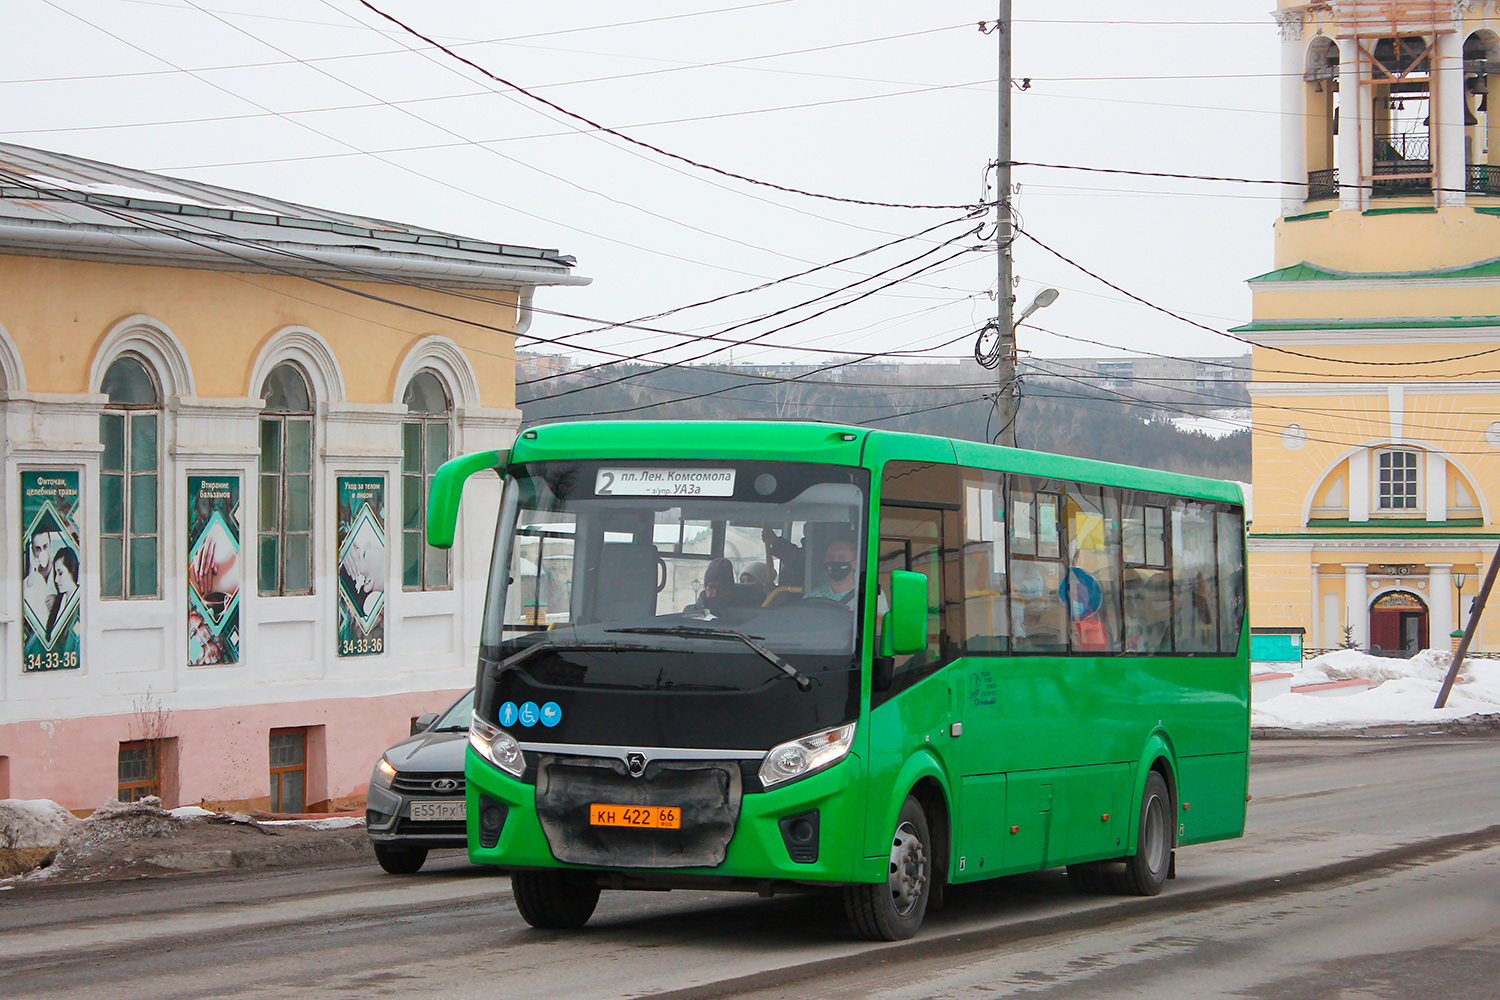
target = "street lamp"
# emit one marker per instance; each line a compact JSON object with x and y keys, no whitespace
{"x":1043,"y":299}
{"x":1459,"y":579}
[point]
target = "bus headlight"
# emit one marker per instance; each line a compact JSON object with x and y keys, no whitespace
{"x":810,"y":754}
{"x":496,"y":746}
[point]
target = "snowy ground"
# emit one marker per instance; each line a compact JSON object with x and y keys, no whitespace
{"x":1401,"y":692}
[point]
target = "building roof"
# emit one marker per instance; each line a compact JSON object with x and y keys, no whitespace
{"x":1314,"y":272}
{"x":53,"y":204}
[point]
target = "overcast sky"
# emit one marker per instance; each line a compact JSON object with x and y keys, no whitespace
{"x":325,"y":103}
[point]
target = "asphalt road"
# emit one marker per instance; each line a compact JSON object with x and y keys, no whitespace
{"x":1370,"y":869}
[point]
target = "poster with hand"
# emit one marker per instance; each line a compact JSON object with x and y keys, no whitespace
{"x":213,"y":614}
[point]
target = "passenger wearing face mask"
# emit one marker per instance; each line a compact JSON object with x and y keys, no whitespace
{"x":840,"y":582}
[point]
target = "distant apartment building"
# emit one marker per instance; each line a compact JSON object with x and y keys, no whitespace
{"x":1167,"y":373}
{"x":221,"y":416}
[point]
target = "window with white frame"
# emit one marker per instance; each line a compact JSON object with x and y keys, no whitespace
{"x":130,"y":431}
{"x":1398,"y":480}
{"x":286,"y":483}
{"x":424,"y":447}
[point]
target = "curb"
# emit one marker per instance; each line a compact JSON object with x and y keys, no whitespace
{"x":1474,"y":726}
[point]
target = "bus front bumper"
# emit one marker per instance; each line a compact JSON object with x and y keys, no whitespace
{"x":807,"y":831}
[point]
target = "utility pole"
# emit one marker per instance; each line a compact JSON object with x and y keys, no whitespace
{"x":1005,"y":371}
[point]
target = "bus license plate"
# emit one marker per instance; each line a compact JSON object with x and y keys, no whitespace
{"x":429,"y":812}
{"x":641,"y":817}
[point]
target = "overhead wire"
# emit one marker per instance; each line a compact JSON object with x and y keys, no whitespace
{"x":786,"y":189}
{"x":1244,"y":340}
{"x":801,"y":305}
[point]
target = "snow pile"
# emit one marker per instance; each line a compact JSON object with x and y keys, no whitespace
{"x":1401,"y":692}
{"x":113,"y":826}
{"x":33,"y":823}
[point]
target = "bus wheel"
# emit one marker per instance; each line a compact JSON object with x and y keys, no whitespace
{"x":553,"y":900}
{"x":1146,"y":871}
{"x":400,"y":860}
{"x":892,"y":910}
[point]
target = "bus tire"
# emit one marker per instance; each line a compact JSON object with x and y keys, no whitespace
{"x":1147,"y":869}
{"x":893,"y":910}
{"x":554,"y":900}
{"x":400,"y":860}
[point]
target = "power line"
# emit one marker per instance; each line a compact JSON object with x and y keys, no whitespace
{"x":765,"y":316}
{"x":786,"y":326}
{"x":1222,"y":333}
{"x":641,"y":143}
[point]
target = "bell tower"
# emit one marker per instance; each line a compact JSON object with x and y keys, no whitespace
{"x":1375,"y":395}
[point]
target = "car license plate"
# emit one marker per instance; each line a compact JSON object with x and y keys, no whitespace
{"x":642,"y":817}
{"x":428,"y":812}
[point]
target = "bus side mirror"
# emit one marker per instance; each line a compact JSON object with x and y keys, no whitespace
{"x":906,"y":622}
{"x":448,"y":487}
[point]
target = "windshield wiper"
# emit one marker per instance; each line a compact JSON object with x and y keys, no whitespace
{"x":552,"y":646}
{"x":765,"y":652}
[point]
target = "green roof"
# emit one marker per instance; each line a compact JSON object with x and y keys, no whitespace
{"x":1408,"y":323}
{"x":1312,"y":272}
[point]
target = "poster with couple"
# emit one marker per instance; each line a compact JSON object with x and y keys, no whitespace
{"x":213,"y":570}
{"x":362,"y":565}
{"x":51,"y":601}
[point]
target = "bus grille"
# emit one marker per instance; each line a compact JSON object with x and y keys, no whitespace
{"x":707,"y":792}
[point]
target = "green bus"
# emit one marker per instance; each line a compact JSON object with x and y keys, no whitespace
{"x":779,"y":657}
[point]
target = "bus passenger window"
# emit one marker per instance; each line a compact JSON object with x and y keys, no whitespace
{"x":1092,"y":585}
{"x":1147,"y":582}
{"x":1195,"y":592}
{"x":1231,"y":580}
{"x":986,"y":587}
{"x":1038,"y":619}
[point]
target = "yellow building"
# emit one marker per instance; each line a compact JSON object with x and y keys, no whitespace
{"x":1376,"y":386}
{"x":221,"y":413}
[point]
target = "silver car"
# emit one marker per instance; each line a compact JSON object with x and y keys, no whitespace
{"x":416,"y":797}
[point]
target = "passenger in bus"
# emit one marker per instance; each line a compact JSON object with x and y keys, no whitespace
{"x":788,"y":554}
{"x":757,"y":574}
{"x":718,"y":580}
{"x":840,"y":581}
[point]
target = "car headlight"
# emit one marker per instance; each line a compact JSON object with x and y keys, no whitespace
{"x":496,"y":746}
{"x":384,"y":774}
{"x":810,"y":754}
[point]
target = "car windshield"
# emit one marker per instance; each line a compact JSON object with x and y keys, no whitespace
{"x":456,"y":718}
{"x":730,"y":578}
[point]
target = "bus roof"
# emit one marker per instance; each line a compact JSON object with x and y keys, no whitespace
{"x":836,"y":444}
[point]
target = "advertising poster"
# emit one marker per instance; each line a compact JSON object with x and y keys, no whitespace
{"x":213,"y":570}
{"x":362,"y":565}
{"x":51,"y":600}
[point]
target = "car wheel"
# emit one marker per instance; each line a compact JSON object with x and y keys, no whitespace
{"x":554,"y":900}
{"x":893,"y":910}
{"x":400,"y":860}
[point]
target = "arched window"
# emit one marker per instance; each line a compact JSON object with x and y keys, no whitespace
{"x":286,"y":483}
{"x":424,"y":447}
{"x":130,"y":430}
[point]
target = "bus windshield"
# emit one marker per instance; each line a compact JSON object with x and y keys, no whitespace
{"x":687,"y":605}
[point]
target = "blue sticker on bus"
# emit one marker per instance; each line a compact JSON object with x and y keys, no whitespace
{"x":508,"y":713}
{"x":530,"y":714}
{"x":551,"y":714}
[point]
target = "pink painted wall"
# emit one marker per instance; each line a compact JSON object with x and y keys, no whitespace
{"x":223,"y":753}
